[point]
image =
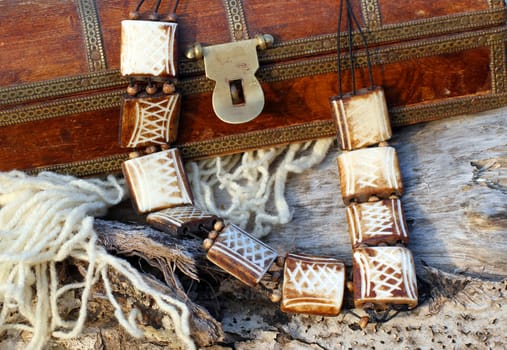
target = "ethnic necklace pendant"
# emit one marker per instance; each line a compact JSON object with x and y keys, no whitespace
{"x":370,"y":180}
{"x":149,"y":52}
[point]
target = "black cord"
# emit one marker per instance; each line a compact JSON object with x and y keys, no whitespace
{"x":139,"y":5}
{"x":176,"y":6}
{"x":365,"y":42}
{"x":351,"y":20}
{"x":351,"y":44}
{"x":338,"y":44}
{"x":157,"y":6}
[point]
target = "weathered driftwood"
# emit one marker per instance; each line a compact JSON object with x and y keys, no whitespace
{"x":455,"y":177}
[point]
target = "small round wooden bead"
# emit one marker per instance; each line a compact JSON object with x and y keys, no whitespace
{"x":373,"y":199}
{"x":150,"y":149}
{"x":218,"y":226}
{"x":151,"y":89}
{"x":207,"y":244}
{"x":363,"y":322}
{"x":383,"y":144}
{"x":276,"y":296}
{"x":164,"y":147}
{"x":132,"y":90}
{"x":350,"y":286}
{"x":134,"y":15}
{"x":172,"y":17}
{"x":154,"y":16}
{"x":168,"y":88}
{"x":213,"y":235}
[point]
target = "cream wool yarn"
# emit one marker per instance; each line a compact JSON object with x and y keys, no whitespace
{"x":44,"y":220}
{"x":249,"y":189}
{"x":48,"y":218}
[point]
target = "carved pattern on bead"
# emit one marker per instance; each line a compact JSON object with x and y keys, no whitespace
{"x":241,"y":255}
{"x":313,"y":285}
{"x":157,"y":181}
{"x":377,"y":222}
{"x":384,"y":275}
{"x":362,"y":119}
{"x":173,"y":220}
{"x":150,"y":121}
{"x":369,"y":172}
{"x":148,"y":48}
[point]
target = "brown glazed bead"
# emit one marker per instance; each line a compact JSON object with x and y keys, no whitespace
{"x":376,"y":223}
{"x":149,"y":120}
{"x":157,"y":181}
{"x":151,"y":89}
{"x":313,"y":285}
{"x":241,"y":255}
{"x":384,"y":276}
{"x":183,"y":219}
{"x":134,"y":15}
{"x":132,"y":90}
{"x":168,"y":88}
{"x":172,"y":17}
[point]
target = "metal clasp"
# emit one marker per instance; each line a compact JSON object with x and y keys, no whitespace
{"x":238,"y":96}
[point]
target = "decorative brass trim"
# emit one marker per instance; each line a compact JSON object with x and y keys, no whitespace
{"x":497,"y":3}
{"x":258,"y":139}
{"x":308,"y":131}
{"x":237,"y":19}
{"x":306,"y":47}
{"x":61,"y":87}
{"x":60,"y":108}
{"x":371,"y":13}
{"x":104,"y":165}
{"x":493,"y":38}
{"x":94,"y":44}
{"x":399,"y":32}
{"x":386,"y":54}
{"x":446,"y":108}
{"x":498,"y":67}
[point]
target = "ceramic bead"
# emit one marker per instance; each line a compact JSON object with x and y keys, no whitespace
{"x":241,"y":255}
{"x":313,"y":285}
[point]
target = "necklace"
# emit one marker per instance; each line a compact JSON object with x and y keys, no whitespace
{"x":383,"y":269}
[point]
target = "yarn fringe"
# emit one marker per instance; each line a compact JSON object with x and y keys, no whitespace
{"x":249,"y":189}
{"x":45,"y":220}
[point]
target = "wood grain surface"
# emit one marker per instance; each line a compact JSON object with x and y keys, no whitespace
{"x":436,"y":66}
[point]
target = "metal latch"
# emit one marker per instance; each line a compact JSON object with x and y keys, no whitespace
{"x":238,"y":96}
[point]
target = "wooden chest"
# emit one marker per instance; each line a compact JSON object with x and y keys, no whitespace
{"x":60,"y":87}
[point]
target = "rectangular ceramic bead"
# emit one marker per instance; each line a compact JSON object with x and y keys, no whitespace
{"x":362,"y":119}
{"x":373,"y":223}
{"x":313,"y":285}
{"x":241,"y":255}
{"x":384,"y":275}
{"x":157,"y":181}
{"x":147,"y":121}
{"x":148,"y":48}
{"x":181,"y":220}
{"x":369,"y":172}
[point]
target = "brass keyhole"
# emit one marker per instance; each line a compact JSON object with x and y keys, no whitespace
{"x":237,"y":94}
